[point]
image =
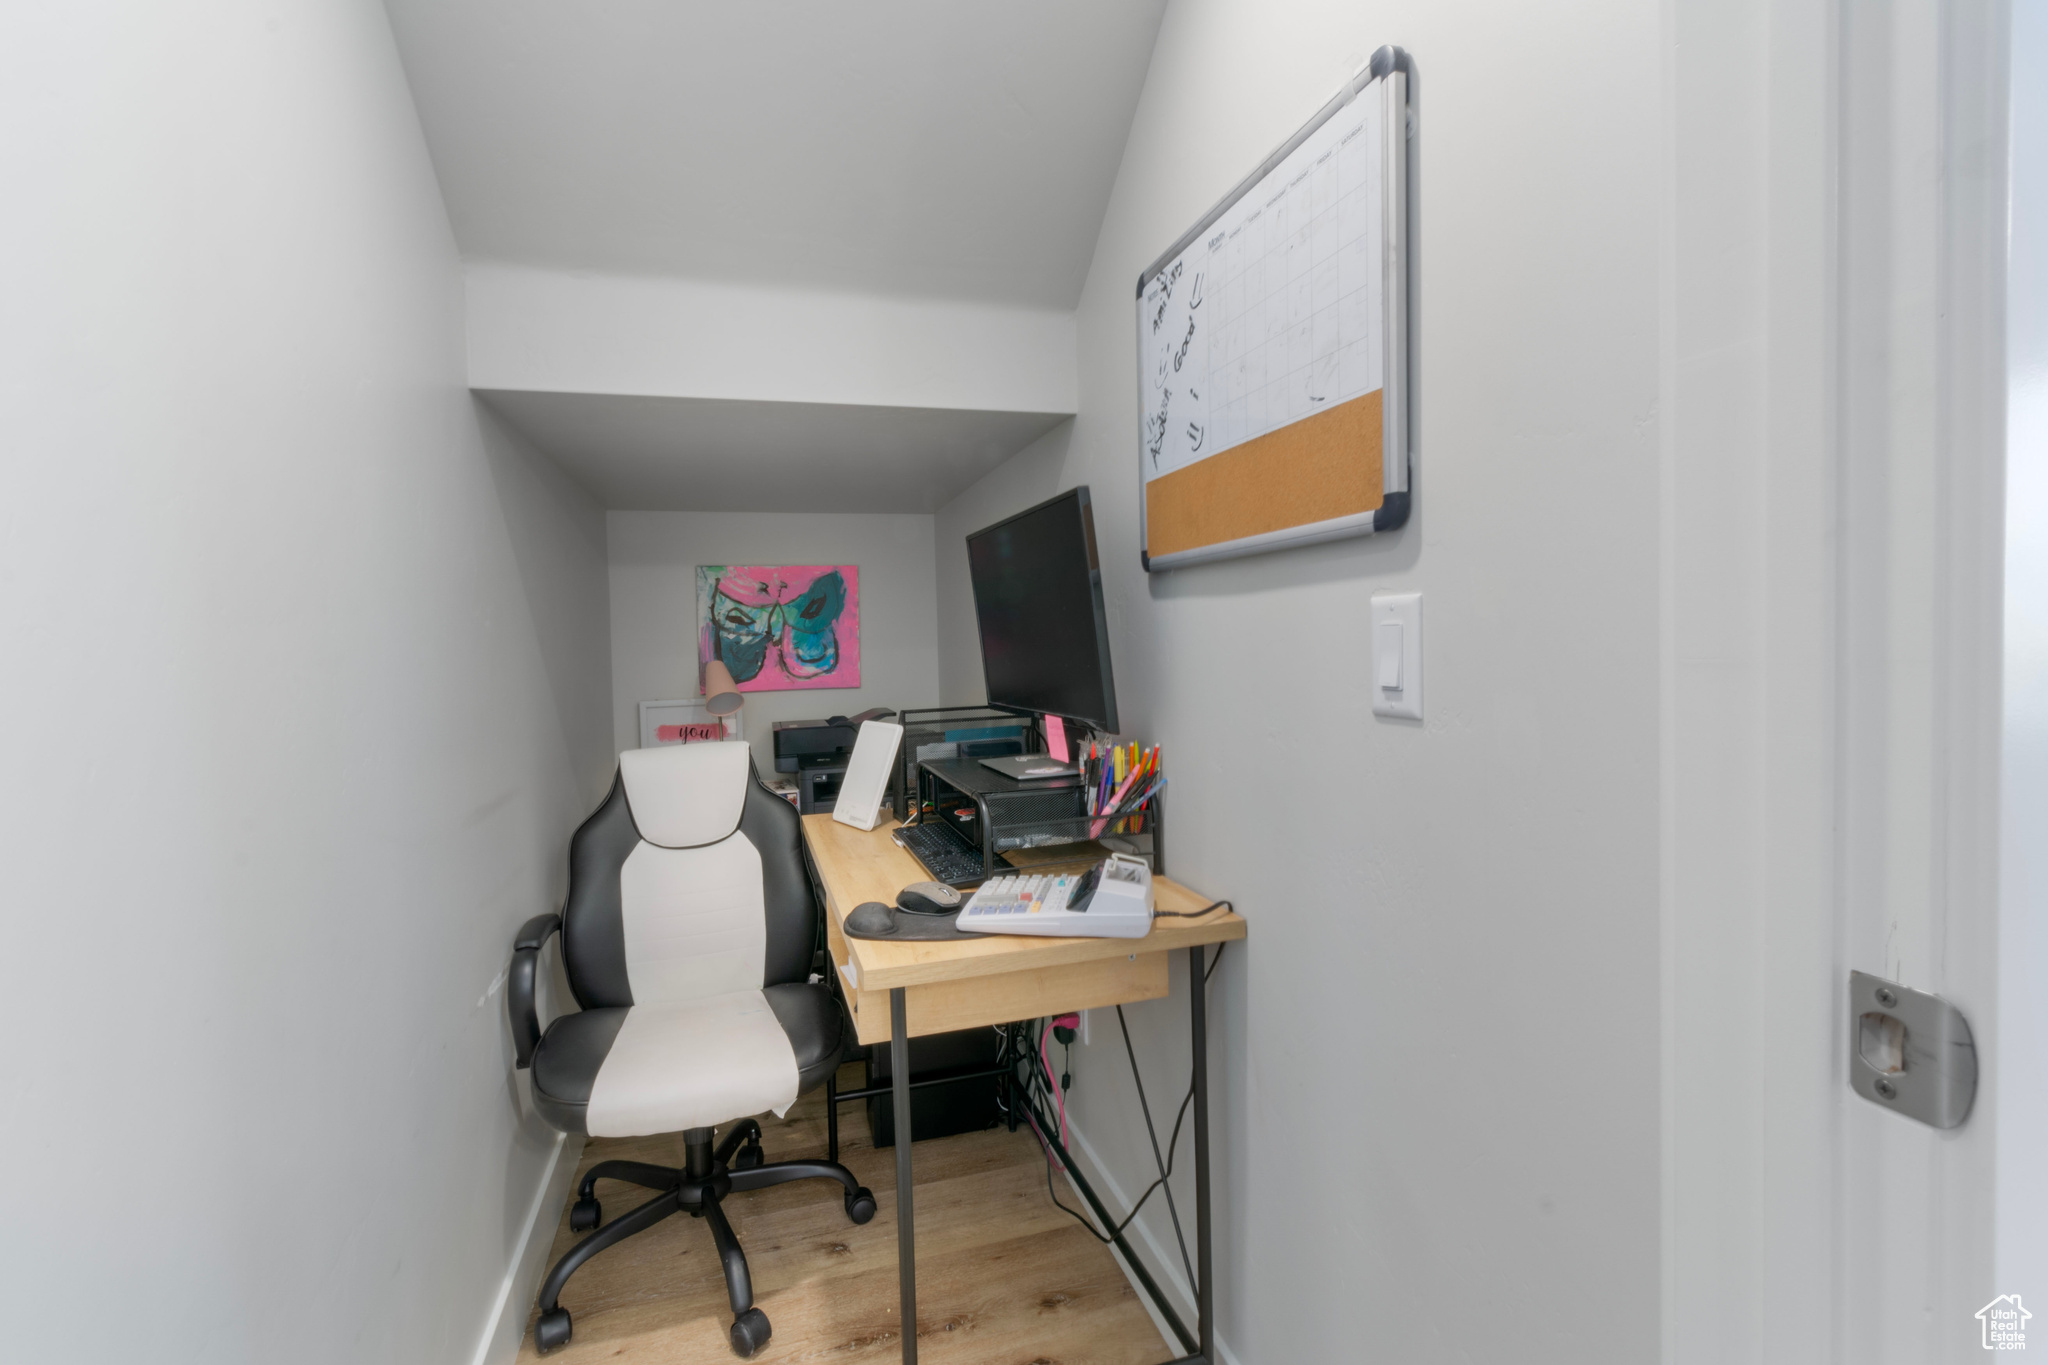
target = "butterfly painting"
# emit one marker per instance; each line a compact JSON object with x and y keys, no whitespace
{"x":780,"y":626}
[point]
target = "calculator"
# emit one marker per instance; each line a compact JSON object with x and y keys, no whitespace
{"x":1113,"y":899}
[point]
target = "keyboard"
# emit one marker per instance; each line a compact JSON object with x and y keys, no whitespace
{"x":1109,"y":900}
{"x":944,"y":854}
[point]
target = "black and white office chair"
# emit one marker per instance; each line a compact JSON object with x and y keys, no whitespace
{"x":688,"y":933}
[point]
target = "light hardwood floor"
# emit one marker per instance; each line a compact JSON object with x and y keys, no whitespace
{"x":1004,"y":1277}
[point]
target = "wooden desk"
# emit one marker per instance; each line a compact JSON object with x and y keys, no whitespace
{"x":987,"y":981}
{"x":899,"y":990}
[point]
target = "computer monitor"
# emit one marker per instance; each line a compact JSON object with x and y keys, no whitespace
{"x":1038,"y":601}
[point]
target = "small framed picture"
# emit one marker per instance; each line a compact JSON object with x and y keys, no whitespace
{"x":678,"y":722}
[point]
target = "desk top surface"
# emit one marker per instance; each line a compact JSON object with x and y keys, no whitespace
{"x":868,"y":865}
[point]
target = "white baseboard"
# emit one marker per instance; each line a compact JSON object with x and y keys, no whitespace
{"x":1163,"y":1261}
{"x":506,"y":1326}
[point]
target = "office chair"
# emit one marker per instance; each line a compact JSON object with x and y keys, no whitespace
{"x":688,"y":934}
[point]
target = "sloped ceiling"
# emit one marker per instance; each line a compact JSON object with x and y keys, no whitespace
{"x":936,"y":148}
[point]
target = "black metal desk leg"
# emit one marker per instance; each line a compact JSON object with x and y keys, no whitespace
{"x":906,"y":1234}
{"x":832,"y":1118}
{"x":1198,"y":1011}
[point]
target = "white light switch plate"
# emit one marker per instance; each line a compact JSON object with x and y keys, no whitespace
{"x":1397,"y":626}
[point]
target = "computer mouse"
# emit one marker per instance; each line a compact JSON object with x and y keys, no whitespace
{"x":871,"y":917}
{"x":928,"y":898}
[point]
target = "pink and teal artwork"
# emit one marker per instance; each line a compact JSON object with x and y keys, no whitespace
{"x":780,"y":626}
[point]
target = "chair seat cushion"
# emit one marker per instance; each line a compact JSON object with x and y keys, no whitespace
{"x":566,"y":1062}
{"x":664,"y":1068}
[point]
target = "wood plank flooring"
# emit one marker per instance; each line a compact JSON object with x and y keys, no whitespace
{"x":1004,"y":1277}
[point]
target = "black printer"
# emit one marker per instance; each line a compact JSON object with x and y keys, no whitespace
{"x":817,"y":752}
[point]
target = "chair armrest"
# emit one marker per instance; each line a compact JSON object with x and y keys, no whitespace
{"x":535,"y":931}
{"x":519,"y":986}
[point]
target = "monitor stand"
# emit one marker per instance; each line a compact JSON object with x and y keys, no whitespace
{"x":1025,"y":767}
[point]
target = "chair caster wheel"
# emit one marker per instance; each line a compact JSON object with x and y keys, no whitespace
{"x":860,"y":1205}
{"x":584,"y":1215}
{"x":747,"y":1157}
{"x":551,"y":1331}
{"x":750,"y":1332}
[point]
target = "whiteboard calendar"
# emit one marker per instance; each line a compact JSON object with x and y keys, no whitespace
{"x":1275,"y":314}
{"x":1272,"y":345}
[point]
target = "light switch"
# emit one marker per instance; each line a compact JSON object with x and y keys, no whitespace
{"x":1397,"y":654}
{"x":1387,"y":647}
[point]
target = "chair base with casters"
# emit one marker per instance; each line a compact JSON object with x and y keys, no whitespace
{"x":697,"y":1189}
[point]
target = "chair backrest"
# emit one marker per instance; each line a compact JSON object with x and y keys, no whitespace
{"x":688,"y":881}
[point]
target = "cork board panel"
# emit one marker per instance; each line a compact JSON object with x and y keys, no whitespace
{"x":1321,"y":467}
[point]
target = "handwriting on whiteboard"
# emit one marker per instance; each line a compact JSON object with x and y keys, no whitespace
{"x":1274,"y":313}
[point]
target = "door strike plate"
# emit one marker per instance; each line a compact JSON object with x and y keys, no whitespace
{"x":1910,"y":1051}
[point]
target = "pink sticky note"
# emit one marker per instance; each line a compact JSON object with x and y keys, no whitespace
{"x":1056,"y":738}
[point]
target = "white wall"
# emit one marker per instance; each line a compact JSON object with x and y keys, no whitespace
{"x":654,"y":559}
{"x":307,"y":666}
{"x":1438,"y":1079}
{"x":555,"y":332}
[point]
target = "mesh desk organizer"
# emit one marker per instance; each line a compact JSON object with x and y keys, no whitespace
{"x":954,"y":732}
{"x":1000,"y":823}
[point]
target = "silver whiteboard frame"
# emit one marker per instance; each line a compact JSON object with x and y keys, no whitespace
{"x":1391,"y":67}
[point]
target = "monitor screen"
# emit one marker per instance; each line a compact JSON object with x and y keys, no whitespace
{"x":1038,"y":600}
